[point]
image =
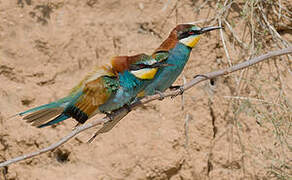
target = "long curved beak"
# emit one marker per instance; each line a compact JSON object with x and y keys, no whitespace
{"x":210,"y":28}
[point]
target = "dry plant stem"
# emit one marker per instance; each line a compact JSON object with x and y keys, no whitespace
{"x":223,"y":42}
{"x":118,"y":115}
{"x":187,"y":118}
{"x":242,"y":44}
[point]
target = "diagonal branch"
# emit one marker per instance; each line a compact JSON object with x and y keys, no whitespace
{"x":121,"y":113}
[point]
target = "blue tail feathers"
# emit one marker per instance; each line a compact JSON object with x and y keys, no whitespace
{"x":46,"y":106}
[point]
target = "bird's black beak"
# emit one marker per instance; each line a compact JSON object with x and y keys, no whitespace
{"x":211,"y":28}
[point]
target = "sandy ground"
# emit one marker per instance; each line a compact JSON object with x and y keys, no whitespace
{"x":46,"y":51}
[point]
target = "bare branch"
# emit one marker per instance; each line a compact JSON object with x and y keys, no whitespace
{"x":121,"y":113}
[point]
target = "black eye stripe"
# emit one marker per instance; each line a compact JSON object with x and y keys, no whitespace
{"x":189,"y":33}
{"x":197,"y":32}
{"x":183,"y":35}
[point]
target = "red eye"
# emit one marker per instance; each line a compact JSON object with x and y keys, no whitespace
{"x":191,"y":33}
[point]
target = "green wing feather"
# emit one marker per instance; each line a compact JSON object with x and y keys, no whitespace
{"x":96,"y":89}
{"x":160,"y":56}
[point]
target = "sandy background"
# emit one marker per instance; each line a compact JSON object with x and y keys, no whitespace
{"x":47,"y":48}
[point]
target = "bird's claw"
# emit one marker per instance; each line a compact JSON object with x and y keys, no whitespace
{"x":160,"y":94}
{"x":181,"y":91}
{"x":109,"y":115}
{"x":128,"y":107}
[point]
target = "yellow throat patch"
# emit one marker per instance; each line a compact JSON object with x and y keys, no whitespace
{"x":190,"y":41}
{"x":147,"y":73}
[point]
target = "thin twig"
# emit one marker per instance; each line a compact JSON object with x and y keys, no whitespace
{"x":219,"y":17}
{"x":182,"y":96}
{"x":271,"y":28}
{"x":223,"y":42}
{"x":118,"y":115}
{"x":242,"y":44}
{"x":203,"y":20}
{"x":165,"y":5}
{"x":280,"y":10}
{"x":201,"y":6}
{"x":252,"y":99}
{"x":187,"y":118}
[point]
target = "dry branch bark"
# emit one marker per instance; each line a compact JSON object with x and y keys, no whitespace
{"x":120,"y":114}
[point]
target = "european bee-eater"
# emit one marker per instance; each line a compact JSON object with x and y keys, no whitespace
{"x":176,"y":50}
{"x":106,"y":89}
{"x":133,"y":81}
{"x":109,"y":88}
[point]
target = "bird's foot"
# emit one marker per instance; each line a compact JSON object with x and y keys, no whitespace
{"x":109,"y":115}
{"x":160,"y":94}
{"x":181,"y":91}
{"x":128,"y":107}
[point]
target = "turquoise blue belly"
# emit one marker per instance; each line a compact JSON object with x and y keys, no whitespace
{"x":166,"y":76}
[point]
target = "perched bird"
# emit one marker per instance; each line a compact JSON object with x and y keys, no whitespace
{"x":106,"y":89}
{"x":109,"y":88}
{"x":173,"y":53}
{"x":175,"y":50}
{"x":134,"y":80}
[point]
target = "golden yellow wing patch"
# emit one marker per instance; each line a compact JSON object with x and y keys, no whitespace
{"x":94,"y":94}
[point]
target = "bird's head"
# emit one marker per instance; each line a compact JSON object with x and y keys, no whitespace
{"x":187,"y":34}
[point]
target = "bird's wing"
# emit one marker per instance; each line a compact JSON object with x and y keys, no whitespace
{"x":94,"y":90}
{"x":95,"y":93}
{"x":94,"y":75}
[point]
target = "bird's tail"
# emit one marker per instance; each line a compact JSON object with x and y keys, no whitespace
{"x":57,"y":119}
{"x":39,"y":116}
